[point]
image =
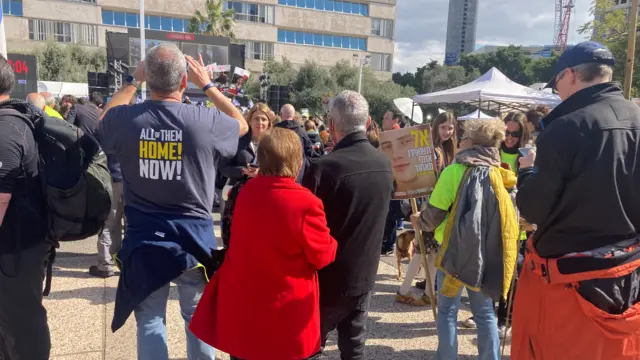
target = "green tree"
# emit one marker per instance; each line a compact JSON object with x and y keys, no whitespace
{"x":215,"y":20}
{"x":68,"y":63}
{"x":610,"y":27}
{"x":311,"y":82}
{"x":541,"y":70}
{"x":510,"y":60}
{"x":280,"y":72}
{"x":441,"y":77}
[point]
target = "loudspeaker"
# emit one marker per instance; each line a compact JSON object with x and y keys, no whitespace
{"x":277,"y":97}
{"x":97,"y":79}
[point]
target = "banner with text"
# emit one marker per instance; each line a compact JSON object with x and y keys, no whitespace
{"x":412,"y":160}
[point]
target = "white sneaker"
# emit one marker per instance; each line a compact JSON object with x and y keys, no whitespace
{"x":503,"y":331}
{"x":470,"y":323}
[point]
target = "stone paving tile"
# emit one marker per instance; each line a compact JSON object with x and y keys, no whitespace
{"x":96,"y":355}
{"x":81,"y":307}
{"x":75,"y":305}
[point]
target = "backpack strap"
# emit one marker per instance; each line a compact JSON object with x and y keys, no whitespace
{"x":5,"y":112}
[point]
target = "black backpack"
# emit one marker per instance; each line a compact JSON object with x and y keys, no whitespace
{"x":75,"y":178}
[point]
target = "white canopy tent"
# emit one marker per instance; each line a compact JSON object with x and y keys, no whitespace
{"x":476,"y":115}
{"x":491,"y":91}
{"x":59,"y":89}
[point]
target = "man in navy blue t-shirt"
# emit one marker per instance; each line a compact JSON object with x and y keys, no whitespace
{"x":167,"y":151}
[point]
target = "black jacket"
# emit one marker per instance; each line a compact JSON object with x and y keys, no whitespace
{"x":584,"y":192}
{"x":231,"y":168}
{"x":355,"y":185}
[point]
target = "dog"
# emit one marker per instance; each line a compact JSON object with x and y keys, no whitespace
{"x":404,"y":248}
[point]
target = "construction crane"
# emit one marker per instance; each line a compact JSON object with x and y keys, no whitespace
{"x":563,"y":20}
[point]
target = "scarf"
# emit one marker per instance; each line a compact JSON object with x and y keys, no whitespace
{"x":478,"y":156}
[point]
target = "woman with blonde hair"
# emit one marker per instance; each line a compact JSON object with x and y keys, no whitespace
{"x":260,"y":119}
{"x":475,"y":222}
{"x":279,"y":240}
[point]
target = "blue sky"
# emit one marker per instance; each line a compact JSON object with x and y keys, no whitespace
{"x":422,"y":26}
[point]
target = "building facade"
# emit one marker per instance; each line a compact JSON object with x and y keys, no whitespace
{"x":325,"y":31}
{"x":533,"y":51}
{"x":461,"y":29}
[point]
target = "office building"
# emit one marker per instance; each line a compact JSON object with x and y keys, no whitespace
{"x":535,"y":52}
{"x":461,"y":29}
{"x":325,"y":31}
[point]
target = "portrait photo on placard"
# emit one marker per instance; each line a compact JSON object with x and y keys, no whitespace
{"x":412,"y":160}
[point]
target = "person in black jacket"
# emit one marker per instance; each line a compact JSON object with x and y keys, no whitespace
{"x":582,"y":266}
{"x":260,"y":119}
{"x":288,"y":114}
{"x":355,"y":185}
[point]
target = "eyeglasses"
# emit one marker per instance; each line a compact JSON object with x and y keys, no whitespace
{"x":515,"y":134}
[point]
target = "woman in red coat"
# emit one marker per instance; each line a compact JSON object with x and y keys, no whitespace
{"x":263,"y":303}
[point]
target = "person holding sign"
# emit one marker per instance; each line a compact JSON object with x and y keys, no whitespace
{"x":445,"y":144}
{"x":475,"y":222}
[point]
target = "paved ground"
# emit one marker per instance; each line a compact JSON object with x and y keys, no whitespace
{"x":81,"y":307}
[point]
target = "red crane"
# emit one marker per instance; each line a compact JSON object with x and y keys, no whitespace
{"x":563,"y":20}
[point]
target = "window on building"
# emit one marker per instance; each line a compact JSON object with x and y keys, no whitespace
{"x":43,"y":30}
{"x":325,"y":40}
{"x":346,"y":7}
{"x":252,"y":12}
{"x":256,"y":50}
{"x":128,"y":19}
{"x":382,"y":27}
{"x":380,"y":62}
{"x":12,"y":7}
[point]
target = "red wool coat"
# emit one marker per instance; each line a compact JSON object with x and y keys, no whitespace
{"x":262,"y":304}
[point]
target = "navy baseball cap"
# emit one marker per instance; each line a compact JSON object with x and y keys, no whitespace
{"x":582,"y":53}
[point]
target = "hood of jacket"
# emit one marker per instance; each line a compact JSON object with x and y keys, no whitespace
{"x":22,"y":107}
{"x":289,"y":124}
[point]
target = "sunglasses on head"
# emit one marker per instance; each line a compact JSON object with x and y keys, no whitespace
{"x":515,"y":134}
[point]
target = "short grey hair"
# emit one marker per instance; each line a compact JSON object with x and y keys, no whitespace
{"x":165,"y":66}
{"x":349,"y":112}
{"x":49,"y":99}
{"x":590,"y":72}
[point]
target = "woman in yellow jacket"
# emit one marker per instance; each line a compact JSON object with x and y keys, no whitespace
{"x":475,"y":221}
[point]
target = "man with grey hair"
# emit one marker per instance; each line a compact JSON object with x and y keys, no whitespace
{"x":581,"y":187}
{"x":355,"y":185}
{"x":167,"y":151}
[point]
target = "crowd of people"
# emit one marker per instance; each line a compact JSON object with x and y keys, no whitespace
{"x":545,"y":199}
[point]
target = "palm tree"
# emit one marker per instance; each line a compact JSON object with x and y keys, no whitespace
{"x":216,"y":21}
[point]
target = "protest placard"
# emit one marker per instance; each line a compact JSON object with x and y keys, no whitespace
{"x":413,"y":161}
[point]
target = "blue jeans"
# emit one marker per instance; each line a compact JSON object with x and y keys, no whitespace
{"x":151,"y":319}
{"x":484,"y":316}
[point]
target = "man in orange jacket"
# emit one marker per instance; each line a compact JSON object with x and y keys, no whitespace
{"x":578,"y":292}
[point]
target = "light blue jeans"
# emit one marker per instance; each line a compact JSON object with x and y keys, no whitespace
{"x":483,"y":314}
{"x":151,"y":319}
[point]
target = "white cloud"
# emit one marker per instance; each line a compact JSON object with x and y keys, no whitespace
{"x":422,"y":25}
